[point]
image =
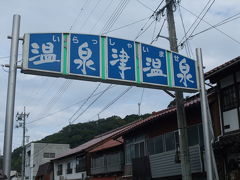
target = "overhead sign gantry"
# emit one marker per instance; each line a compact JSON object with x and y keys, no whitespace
{"x":108,"y":59}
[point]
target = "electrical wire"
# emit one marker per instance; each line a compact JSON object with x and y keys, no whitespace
{"x":127,"y":25}
{"x":227,"y":20}
{"x":187,"y":47}
{"x":69,"y":120}
{"x":81,"y":10}
{"x":144,"y":5}
{"x":154,"y":29}
{"x":159,"y":33}
{"x":198,"y":17}
{"x":143,"y":31}
{"x":90,"y":14}
{"x":65,"y":108}
{"x":201,"y":18}
{"x":101,"y":16}
{"x":85,"y":110}
{"x":141,"y":96}
{"x":112,"y":102}
{"x":113,"y":18}
{"x":212,"y":27}
{"x":155,"y":13}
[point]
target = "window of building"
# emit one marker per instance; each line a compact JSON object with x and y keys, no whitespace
{"x":28,"y":157}
{"x":193,"y":137}
{"x":49,"y":155}
{"x":156,"y":145}
{"x":229,"y":98}
{"x":69,"y":168}
{"x":134,"y":148}
{"x":159,"y":144}
{"x":139,"y":149}
{"x":80,"y":163}
{"x":59,"y":169}
{"x":170,"y":141}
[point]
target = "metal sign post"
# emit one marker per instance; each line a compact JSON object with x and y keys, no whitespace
{"x":207,"y":144}
{"x":11,"y":97}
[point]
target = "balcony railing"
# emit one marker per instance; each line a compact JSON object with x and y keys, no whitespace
{"x":108,"y":168}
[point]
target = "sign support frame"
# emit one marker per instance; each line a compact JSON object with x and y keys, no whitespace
{"x":7,"y":150}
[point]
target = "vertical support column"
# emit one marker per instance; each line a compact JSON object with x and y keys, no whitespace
{"x":181,"y":115}
{"x":207,"y":144}
{"x":7,"y":150}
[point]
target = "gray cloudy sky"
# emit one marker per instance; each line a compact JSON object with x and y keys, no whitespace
{"x":44,"y":96}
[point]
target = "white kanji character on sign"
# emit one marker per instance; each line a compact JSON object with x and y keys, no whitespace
{"x":47,"y":55}
{"x":122,"y":58}
{"x":85,"y":54}
{"x":154,"y":67}
{"x":184,"y":76}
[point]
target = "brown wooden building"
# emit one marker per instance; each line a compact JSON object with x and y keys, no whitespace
{"x":227,"y":144}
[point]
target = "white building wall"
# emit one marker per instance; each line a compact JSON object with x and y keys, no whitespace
{"x":73,"y":175}
{"x":230,"y":118}
{"x":37,"y":156}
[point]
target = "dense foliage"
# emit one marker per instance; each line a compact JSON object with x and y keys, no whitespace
{"x":80,"y":133}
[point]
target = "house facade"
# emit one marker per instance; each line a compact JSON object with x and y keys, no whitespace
{"x":152,"y":146}
{"x":107,"y":160}
{"x":227,"y":144}
{"x":40,"y":153}
{"x":77,"y":162}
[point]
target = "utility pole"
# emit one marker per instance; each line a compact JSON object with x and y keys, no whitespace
{"x":8,"y":133}
{"x":181,"y":116}
{"x":21,"y":118}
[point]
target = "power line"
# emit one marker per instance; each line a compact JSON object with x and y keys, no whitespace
{"x":227,"y":20}
{"x":143,"y":31}
{"x":109,"y":86}
{"x":187,"y":47}
{"x":101,"y":16}
{"x":74,"y":22}
{"x":154,"y":29}
{"x":141,"y":96}
{"x":202,"y":18}
{"x":65,"y":108}
{"x":159,"y":33}
{"x":198,"y":17}
{"x":156,"y":14}
{"x":90,"y":13}
{"x":144,"y":5}
{"x":69,"y":120}
{"x":113,"y":101}
{"x":212,"y":27}
{"x":127,"y":25}
{"x":113,"y":18}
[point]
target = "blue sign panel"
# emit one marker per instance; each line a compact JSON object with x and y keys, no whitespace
{"x":154,"y":65}
{"x":85,"y":55}
{"x":45,"y":52}
{"x":121,"y":59}
{"x":184,"y":71}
